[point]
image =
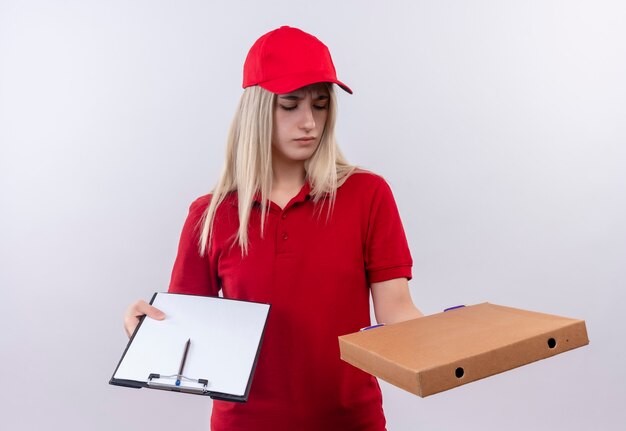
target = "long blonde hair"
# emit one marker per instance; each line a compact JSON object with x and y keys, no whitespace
{"x":248,"y":166}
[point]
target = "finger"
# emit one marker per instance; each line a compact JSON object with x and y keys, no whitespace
{"x":130,"y":326}
{"x":140,"y":308}
{"x":136,"y":311}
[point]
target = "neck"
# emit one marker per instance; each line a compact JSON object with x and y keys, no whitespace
{"x":288,"y":175}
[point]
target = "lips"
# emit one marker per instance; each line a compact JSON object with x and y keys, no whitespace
{"x":305,"y":139}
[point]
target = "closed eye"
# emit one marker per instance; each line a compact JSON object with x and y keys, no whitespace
{"x":317,"y":107}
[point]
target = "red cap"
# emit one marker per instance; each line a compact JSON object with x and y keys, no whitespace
{"x":286,"y":59}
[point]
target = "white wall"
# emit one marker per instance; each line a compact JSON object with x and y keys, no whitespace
{"x":499,"y":124}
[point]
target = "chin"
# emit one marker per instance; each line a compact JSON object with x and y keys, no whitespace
{"x":300,"y":156}
{"x":293,"y":153}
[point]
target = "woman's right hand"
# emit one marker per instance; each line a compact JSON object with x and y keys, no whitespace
{"x":134,"y":313}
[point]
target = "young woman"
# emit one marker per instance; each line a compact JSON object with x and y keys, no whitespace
{"x":292,"y":224}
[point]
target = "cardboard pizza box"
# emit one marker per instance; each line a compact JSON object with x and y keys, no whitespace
{"x":445,"y":350}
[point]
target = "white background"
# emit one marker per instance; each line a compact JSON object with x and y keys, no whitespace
{"x":499,"y":125}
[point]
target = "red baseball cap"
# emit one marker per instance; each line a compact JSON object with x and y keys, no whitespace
{"x":286,"y":59}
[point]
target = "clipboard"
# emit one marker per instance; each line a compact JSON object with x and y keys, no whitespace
{"x":219,"y":361}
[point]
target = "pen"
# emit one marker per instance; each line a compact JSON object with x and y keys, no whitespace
{"x":372,"y":327}
{"x":182,"y":362}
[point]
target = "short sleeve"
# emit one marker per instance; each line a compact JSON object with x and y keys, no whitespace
{"x":194,"y":274}
{"x":387,"y":254}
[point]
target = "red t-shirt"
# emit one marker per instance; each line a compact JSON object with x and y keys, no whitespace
{"x":315,"y":272}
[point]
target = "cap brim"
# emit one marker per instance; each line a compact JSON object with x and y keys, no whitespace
{"x":344,"y":86}
{"x":283,"y":86}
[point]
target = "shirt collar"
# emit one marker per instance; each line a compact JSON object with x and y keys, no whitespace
{"x":303,"y":195}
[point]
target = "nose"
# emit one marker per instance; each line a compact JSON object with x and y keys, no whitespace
{"x":307,"y":121}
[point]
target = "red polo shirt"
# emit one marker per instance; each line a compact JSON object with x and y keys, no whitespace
{"x":315,"y":273}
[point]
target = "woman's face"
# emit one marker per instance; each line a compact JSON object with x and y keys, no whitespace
{"x":299,"y":120}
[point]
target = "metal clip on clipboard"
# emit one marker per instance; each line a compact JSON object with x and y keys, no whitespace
{"x":179,"y":382}
{"x":186,"y":384}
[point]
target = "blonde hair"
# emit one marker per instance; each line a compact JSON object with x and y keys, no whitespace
{"x":248,"y":166}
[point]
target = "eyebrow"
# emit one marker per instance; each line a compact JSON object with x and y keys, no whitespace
{"x":294,"y":96}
